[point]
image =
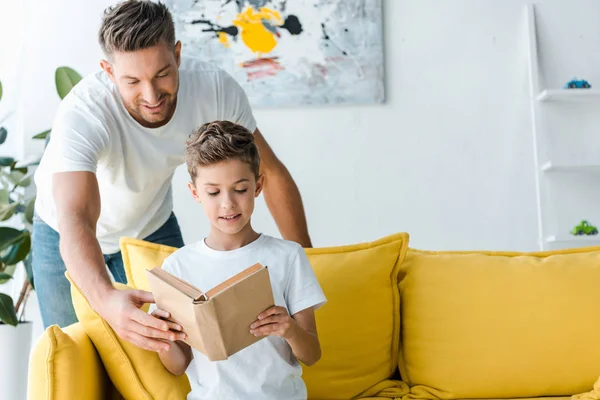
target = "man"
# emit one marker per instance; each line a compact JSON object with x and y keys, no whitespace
{"x":116,"y":141}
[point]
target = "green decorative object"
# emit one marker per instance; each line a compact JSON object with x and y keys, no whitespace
{"x":584,"y":228}
{"x":17,"y":202}
{"x":66,"y":78}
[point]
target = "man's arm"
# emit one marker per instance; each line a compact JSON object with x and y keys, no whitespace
{"x":77,"y":200}
{"x":282,"y":195}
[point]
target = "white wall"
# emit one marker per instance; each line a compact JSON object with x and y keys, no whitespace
{"x":448,"y":158}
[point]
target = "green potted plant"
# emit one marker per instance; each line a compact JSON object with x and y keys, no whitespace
{"x":17,"y":200}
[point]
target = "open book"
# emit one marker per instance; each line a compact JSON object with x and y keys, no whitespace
{"x":216,"y":322}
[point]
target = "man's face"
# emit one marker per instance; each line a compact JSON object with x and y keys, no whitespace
{"x":148,"y":81}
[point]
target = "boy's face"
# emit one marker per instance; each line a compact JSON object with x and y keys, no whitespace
{"x":227,"y":190}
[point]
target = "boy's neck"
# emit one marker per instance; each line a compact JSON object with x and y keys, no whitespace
{"x":221,"y":241}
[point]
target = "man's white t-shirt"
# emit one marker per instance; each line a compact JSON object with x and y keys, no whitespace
{"x":266,"y":370}
{"x":134,"y":165}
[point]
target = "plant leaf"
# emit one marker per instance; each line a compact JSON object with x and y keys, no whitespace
{"x":15,"y":177}
{"x":29,"y":270}
{"x":9,"y":269}
{"x":26,"y":180}
{"x":42,"y":135}
{"x":0,"y":90}
{"x":6,"y":161}
{"x":66,"y":78}
{"x":4,"y":196}
{"x":10,"y":236}
{"x":8,"y":314}
{"x":7,"y":210}
{"x":3,"y":135}
{"x":29,"y":211}
{"x":30,"y":160}
{"x":4,"y":277}
{"x":19,"y":250}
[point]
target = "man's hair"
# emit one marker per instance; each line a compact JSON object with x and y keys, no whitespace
{"x":133,"y":25}
{"x":219,"y":141}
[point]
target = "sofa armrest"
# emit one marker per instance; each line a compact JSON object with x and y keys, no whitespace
{"x":64,"y":364}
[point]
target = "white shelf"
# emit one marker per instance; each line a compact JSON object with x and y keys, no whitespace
{"x":553,"y":167}
{"x":569,"y":95}
{"x":587,"y":240}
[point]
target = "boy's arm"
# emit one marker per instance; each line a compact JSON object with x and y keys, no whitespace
{"x":300,"y":331}
{"x":177,"y":358}
{"x":179,"y":355}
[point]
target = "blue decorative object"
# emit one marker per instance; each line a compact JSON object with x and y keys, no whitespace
{"x":577,"y":84}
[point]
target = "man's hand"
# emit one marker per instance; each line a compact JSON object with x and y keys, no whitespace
{"x":275,"y":321}
{"x":121,"y":309}
{"x":165,"y":316}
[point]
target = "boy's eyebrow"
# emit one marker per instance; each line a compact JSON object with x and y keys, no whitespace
{"x":235,"y":183}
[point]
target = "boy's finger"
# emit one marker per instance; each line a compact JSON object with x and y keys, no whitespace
{"x":271,"y":311}
{"x":273,"y":319}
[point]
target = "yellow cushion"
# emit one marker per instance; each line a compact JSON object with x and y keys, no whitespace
{"x":138,"y":256}
{"x":358,"y":327}
{"x":500,"y":325}
{"x":60,"y":355}
{"x":136,"y":373}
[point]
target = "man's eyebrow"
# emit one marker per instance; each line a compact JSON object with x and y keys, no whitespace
{"x":159,"y":71}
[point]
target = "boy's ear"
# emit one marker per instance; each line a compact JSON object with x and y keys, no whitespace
{"x":194,"y":192}
{"x":259,"y":185}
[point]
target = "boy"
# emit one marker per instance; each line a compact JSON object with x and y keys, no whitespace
{"x":224,"y":165}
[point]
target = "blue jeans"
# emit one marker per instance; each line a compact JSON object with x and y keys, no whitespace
{"x":53,"y":289}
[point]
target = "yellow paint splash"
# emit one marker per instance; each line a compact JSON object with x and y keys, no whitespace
{"x":252,"y":31}
{"x":223,"y":39}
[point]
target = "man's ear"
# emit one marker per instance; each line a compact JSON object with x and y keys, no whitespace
{"x":194,"y":192}
{"x":178,"y":53}
{"x":108,"y":69}
{"x":259,"y":185}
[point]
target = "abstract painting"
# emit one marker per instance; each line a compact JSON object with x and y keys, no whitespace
{"x":289,"y":52}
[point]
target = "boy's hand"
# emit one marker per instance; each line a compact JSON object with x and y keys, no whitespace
{"x":274,"y":322}
{"x":173,"y":326}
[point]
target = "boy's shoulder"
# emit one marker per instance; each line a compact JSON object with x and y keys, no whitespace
{"x":188,"y":250}
{"x":281,"y":246}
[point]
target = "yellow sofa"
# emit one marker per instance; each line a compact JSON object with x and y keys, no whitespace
{"x":400,"y":323}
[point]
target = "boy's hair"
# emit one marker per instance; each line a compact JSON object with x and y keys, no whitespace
{"x":133,"y":25}
{"x":219,"y":141}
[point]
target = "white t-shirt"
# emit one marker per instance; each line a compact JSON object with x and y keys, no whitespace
{"x":267,"y":369}
{"x":134,"y":165}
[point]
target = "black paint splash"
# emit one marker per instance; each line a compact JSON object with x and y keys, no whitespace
{"x":230,"y":30}
{"x":293,"y":25}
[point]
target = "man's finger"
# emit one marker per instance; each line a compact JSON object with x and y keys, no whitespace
{"x":175,"y":327}
{"x":160,"y":313}
{"x":146,"y":319}
{"x":149,"y":344}
{"x":143,"y":296}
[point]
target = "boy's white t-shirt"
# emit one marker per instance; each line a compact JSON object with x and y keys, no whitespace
{"x":134,"y":165}
{"x":266,"y":370}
